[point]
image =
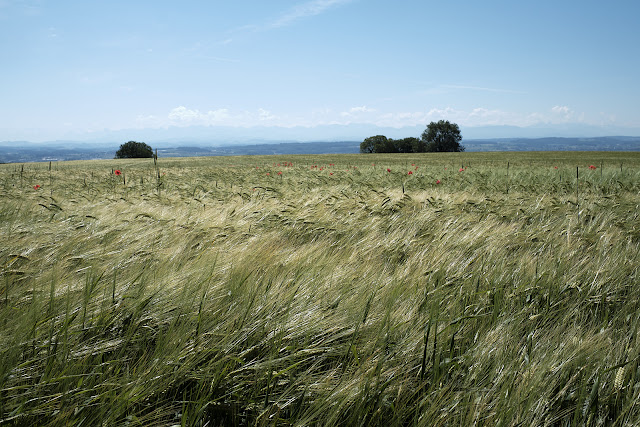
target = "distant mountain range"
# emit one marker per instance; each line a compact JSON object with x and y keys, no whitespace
{"x":23,"y":151}
{"x":212,"y":136}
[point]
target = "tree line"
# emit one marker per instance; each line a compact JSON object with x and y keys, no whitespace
{"x":441,"y":136}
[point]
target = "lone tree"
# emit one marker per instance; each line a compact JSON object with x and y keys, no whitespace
{"x":134,"y":150}
{"x":442,"y":136}
{"x":376,"y":144}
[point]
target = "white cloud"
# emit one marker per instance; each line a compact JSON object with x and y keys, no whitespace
{"x":564,"y":114}
{"x":482,"y":89}
{"x":290,"y":16}
{"x":363,"y":109}
{"x":28,"y":8}
{"x":183,"y":116}
{"x":481,"y":116}
{"x":357,"y":112}
{"x":148,"y":121}
{"x":265,"y":115}
{"x":561,"y":109}
{"x":303,"y":10}
{"x":478,"y":116}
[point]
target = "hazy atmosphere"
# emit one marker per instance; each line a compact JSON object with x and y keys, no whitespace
{"x":79,"y":70}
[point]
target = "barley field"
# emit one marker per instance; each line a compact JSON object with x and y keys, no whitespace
{"x":473,"y":289}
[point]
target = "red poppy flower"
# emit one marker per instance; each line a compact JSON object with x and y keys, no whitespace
{"x":35,"y":187}
{"x":330,"y":173}
{"x":413,"y":164}
{"x":438,"y":181}
{"x":461,"y":169}
{"x":592,"y":167}
{"x":555,"y":167}
{"x":267,"y":173}
{"x":117,"y":172}
{"x":388,"y":170}
{"x":410,"y":173}
{"x":279,"y":173}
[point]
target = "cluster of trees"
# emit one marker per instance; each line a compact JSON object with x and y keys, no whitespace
{"x":134,"y":150}
{"x":438,"y":137}
{"x":382,"y":144}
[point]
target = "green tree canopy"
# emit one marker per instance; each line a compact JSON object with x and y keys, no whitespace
{"x":133,"y":149}
{"x":367,"y":146}
{"x":419,"y":146}
{"x":375,"y":144}
{"x":442,"y":137}
{"x":405,"y":145}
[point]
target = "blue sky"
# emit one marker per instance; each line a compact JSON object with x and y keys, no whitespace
{"x":73,"y":68}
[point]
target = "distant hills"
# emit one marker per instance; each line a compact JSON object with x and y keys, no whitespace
{"x":603,"y":143}
{"x":23,"y":151}
{"x":213,"y":136}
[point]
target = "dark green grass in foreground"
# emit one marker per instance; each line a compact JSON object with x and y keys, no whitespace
{"x":210,"y":293}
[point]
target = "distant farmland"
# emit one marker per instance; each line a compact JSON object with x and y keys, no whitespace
{"x":22,"y":152}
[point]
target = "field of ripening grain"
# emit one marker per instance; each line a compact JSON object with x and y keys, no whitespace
{"x":427,"y":289}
